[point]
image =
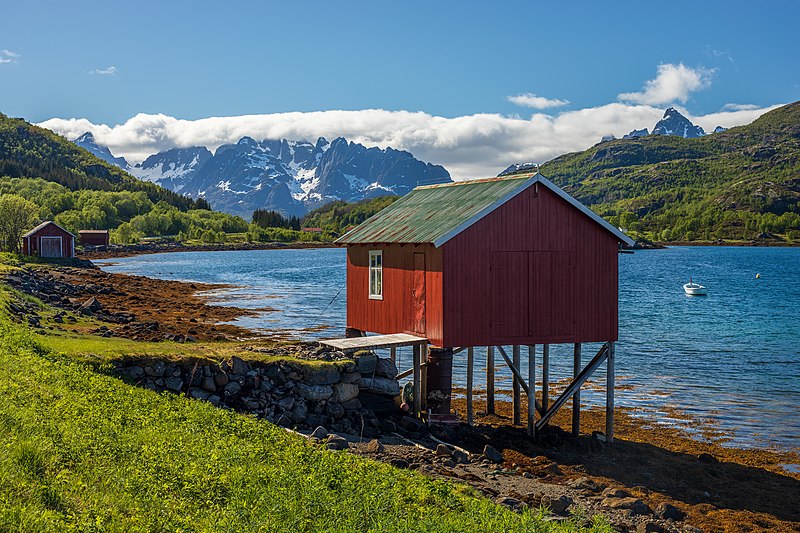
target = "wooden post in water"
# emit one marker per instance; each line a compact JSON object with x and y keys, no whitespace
{"x":393,"y":354}
{"x":532,"y":390}
{"x":545,"y":376}
{"x":576,"y":398}
{"x":515,"y":390}
{"x":490,"y":380}
{"x":610,"y":392}
{"x":417,"y":361}
{"x":470,"y":364}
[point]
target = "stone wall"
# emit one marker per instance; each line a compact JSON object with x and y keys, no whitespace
{"x":342,"y":396}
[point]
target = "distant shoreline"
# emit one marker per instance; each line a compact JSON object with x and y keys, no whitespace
{"x":128,"y":250}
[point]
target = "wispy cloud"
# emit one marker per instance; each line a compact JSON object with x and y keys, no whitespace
{"x":108,"y":71}
{"x":720,"y":54}
{"x":536,"y":102}
{"x":7,"y":56}
{"x":739,"y":107}
{"x":673,"y":83}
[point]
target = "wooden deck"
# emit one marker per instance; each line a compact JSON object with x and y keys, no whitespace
{"x":394,"y":340}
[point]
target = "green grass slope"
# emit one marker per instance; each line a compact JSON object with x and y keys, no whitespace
{"x":734,"y":184}
{"x":84,"y":451}
{"x":30,"y":151}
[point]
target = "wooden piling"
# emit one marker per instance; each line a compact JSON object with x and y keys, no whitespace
{"x":545,"y":376}
{"x":417,"y":361}
{"x":610,"y":393}
{"x":393,"y":354}
{"x":515,"y":390}
{"x":470,"y":364}
{"x":532,"y":390}
{"x":576,"y":398}
{"x":490,"y":380}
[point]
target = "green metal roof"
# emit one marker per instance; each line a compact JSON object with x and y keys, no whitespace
{"x":436,"y":213}
{"x":431,"y":212}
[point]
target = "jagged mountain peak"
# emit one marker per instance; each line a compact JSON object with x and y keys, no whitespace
{"x":674,"y":123}
{"x":291,"y":176}
{"x":88,"y":142}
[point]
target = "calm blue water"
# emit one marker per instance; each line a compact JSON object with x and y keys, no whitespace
{"x":731,"y":358}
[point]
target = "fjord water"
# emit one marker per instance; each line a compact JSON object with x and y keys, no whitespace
{"x":731,"y":358}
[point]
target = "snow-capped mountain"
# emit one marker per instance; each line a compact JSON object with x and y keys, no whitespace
{"x":520,"y":167}
{"x":673,"y":123}
{"x":87,"y":141}
{"x":174,"y":168}
{"x":636,"y":133}
{"x":288,"y":176}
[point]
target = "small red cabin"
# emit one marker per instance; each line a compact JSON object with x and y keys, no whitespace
{"x":511,"y":260}
{"x":48,"y":239}
{"x":93,"y":237}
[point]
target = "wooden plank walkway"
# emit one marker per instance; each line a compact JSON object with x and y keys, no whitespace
{"x":394,"y":340}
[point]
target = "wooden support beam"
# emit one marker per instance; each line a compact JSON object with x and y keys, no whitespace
{"x":490,"y":380}
{"x":532,"y":390}
{"x":470,"y":364}
{"x":545,"y":376}
{"x":610,"y":392}
{"x":393,"y":354}
{"x":423,"y":373}
{"x":410,"y":371}
{"x":576,"y":398}
{"x":417,"y":361}
{"x":574,"y":386}
{"x":516,"y":397}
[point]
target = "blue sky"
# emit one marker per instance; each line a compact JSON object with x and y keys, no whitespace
{"x":106,"y":62}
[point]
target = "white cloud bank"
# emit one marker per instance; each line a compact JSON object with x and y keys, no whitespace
{"x":469,"y":146}
{"x":536,"y":102}
{"x":672,"y":83}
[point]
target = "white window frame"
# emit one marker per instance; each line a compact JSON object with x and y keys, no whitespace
{"x":378,"y":270}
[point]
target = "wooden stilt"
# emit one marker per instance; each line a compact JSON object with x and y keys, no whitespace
{"x":545,"y":376}
{"x":417,"y":360}
{"x":490,"y":380}
{"x":470,"y":364}
{"x":393,"y":354}
{"x":532,"y":390}
{"x":576,"y":398}
{"x":423,"y":387}
{"x":516,"y":397}
{"x":610,"y":392}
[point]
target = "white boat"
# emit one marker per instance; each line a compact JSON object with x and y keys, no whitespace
{"x":694,"y":289}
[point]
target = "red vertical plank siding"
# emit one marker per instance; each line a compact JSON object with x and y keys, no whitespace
{"x":51,"y":230}
{"x":395,"y":312}
{"x":571,"y":282}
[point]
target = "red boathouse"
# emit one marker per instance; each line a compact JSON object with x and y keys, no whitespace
{"x":48,"y":239}
{"x":93,"y":237}
{"x":507,"y":261}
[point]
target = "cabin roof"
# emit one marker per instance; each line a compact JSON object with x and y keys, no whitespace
{"x":44,"y":225}
{"x":436,"y":213}
{"x":92,"y":232}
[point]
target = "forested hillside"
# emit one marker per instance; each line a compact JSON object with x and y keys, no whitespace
{"x":33,"y":152}
{"x":743,"y":183}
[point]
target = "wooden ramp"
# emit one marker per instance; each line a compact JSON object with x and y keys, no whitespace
{"x":394,"y":340}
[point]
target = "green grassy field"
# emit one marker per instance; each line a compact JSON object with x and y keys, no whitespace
{"x":83,"y":451}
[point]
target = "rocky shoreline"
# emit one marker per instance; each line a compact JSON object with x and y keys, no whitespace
{"x":128,"y":250}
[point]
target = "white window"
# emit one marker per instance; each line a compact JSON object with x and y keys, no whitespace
{"x":376,"y":275}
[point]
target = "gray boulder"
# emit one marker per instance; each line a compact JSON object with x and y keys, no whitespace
{"x":343,"y":392}
{"x":315,"y":393}
{"x":380,"y":385}
{"x":322,"y":375}
{"x":385,"y":368}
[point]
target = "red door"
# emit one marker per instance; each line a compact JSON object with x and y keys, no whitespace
{"x":510,"y":297}
{"x":418,"y":294}
{"x":552,"y":294}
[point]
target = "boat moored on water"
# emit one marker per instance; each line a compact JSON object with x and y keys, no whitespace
{"x":694,"y":289}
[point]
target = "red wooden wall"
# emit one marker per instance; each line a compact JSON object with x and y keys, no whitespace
{"x":534,"y":271}
{"x":396,"y":312}
{"x":30,"y":245}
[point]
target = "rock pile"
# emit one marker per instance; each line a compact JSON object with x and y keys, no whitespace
{"x":338,"y":396}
